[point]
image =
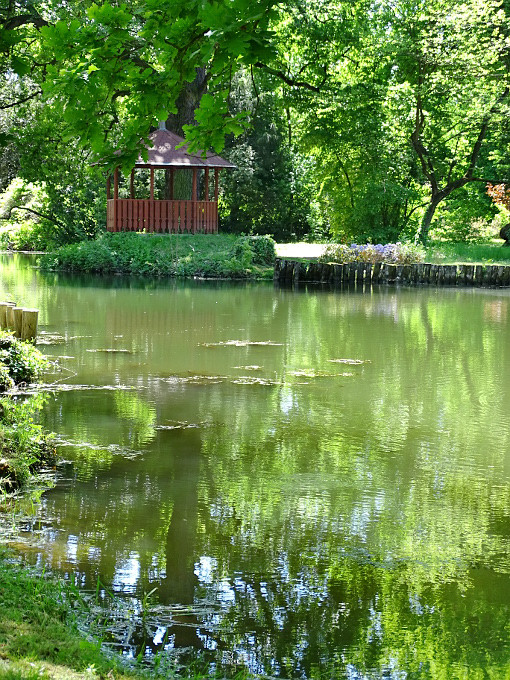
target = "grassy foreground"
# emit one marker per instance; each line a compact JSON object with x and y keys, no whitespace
{"x":39,"y":637}
{"x":186,"y":255}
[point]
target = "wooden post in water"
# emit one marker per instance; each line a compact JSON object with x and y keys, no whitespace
{"x":376,"y":272}
{"x":276,"y":270}
{"x":352,"y":273}
{"x":478,"y":275}
{"x":426,"y":273}
{"x":3,"y":314}
{"x":368,"y":273}
{"x":29,"y":324}
{"x":360,"y":273}
{"x":337,"y":273}
{"x":17,"y":315}
{"x":9,"y":315}
{"x":470,"y":274}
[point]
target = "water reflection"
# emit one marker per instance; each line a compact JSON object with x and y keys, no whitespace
{"x":328,"y":519}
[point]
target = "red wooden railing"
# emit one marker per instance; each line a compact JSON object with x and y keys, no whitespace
{"x":134,"y":214}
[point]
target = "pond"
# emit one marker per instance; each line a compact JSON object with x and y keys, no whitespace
{"x":307,"y":483}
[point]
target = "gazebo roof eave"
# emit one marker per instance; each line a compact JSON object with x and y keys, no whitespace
{"x":184,"y":166}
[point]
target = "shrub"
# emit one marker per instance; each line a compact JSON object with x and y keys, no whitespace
{"x":20,"y":362}
{"x":23,"y":443}
{"x":391,"y":253}
{"x":263,"y":248}
{"x":184,"y":255}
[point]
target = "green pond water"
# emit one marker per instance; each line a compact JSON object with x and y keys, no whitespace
{"x":313,"y":483}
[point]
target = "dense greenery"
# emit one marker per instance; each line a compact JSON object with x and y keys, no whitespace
{"x":23,"y":444}
{"x":367,"y":122}
{"x":175,"y":255}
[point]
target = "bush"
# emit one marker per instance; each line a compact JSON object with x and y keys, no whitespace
{"x":391,"y":253}
{"x":20,"y":362}
{"x":23,"y":443}
{"x":185,"y":255}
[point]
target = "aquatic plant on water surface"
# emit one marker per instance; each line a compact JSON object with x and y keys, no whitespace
{"x":391,"y":253}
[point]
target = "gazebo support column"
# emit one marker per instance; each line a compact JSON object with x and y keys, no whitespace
{"x":132,"y":184}
{"x":171,"y":178}
{"x":152,"y":184}
{"x":194,"y":197}
{"x":216,"y":183}
{"x":115,"y":198}
{"x":206,"y":184}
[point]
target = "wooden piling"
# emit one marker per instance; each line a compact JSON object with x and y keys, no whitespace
{"x":368,"y":273}
{"x":376,"y":272}
{"x":29,"y":324}
{"x":17,"y":313}
{"x":9,"y":318}
{"x":358,"y":273}
{"x":297,"y":272}
{"x":3,"y":315}
{"x":277,"y":268}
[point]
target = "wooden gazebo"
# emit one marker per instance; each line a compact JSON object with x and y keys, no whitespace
{"x":196,"y":214}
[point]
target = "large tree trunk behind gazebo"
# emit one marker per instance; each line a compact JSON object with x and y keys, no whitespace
{"x":186,"y":103}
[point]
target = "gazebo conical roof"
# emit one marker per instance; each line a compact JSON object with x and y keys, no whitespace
{"x":163,"y":154}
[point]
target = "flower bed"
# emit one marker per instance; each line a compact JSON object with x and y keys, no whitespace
{"x":392,"y":253}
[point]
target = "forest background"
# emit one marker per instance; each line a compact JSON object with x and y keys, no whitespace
{"x":353,"y":120}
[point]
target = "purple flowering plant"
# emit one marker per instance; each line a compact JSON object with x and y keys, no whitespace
{"x":391,"y":253}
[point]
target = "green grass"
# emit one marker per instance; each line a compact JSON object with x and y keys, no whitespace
{"x":183,"y":255}
{"x":39,"y":637}
{"x":461,"y":253}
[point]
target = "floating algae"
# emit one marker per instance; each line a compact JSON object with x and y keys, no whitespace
{"x":351,"y":362}
{"x":242,"y":343}
{"x":111,"y":350}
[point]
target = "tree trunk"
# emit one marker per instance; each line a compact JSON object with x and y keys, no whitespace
{"x":186,"y":103}
{"x":427,"y":220}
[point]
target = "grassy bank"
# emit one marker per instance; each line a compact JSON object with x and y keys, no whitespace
{"x":204,"y":255}
{"x":39,"y":636}
{"x":463,"y":253}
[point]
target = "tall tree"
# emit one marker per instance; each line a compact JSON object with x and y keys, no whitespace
{"x":452,"y":61}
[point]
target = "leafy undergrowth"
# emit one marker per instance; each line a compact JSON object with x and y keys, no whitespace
{"x":479,"y":253}
{"x":184,"y":255}
{"x":23,"y":445}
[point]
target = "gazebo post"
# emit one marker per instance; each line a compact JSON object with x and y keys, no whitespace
{"x":132,"y":184}
{"x":152,"y":184}
{"x":171,"y":178}
{"x":194,"y":197}
{"x":216,"y":183}
{"x":206,"y":184}
{"x":116,"y":226}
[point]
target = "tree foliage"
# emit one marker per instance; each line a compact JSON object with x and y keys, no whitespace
{"x":356,"y":116}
